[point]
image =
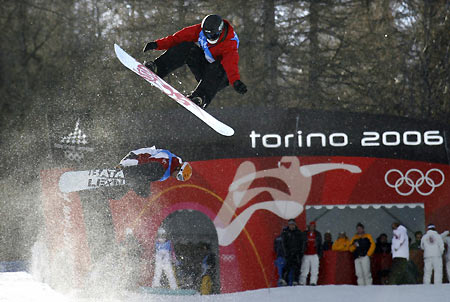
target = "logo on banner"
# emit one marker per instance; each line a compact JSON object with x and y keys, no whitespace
{"x":74,"y":144}
{"x":286,"y":203}
{"x":341,"y":139}
{"x":414,"y":180}
{"x":228,"y":257}
{"x":105,"y":178}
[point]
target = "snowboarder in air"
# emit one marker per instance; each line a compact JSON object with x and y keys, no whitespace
{"x":150,"y":164}
{"x":210,"y":49}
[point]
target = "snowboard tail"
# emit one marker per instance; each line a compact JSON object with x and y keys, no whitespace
{"x":107,"y":179}
{"x":156,"y":81}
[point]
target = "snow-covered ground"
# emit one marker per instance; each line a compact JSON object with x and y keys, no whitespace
{"x":21,"y":287}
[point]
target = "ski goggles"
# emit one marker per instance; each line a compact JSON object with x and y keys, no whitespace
{"x":185,"y":172}
{"x":212,"y":35}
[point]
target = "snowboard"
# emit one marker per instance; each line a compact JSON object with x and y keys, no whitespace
{"x":156,"y":81}
{"x":74,"y":181}
{"x":113,"y":181}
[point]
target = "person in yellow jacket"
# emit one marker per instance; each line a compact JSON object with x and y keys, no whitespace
{"x":208,"y":270}
{"x":342,"y":244}
{"x":362,"y":246}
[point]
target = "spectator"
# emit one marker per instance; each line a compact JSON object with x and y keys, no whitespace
{"x":327,"y":242}
{"x":416,"y":256}
{"x":400,"y":256}
{"x":310,"y":262}
{"x":382,"y":260}
{"x":446,"y":240}
{"x":208,"y":267}
{"x":342,"y":244}
{"x":294,"y":244}
{"x":382,"y":245}
{"x":433,"y":248}
{"x":164,"y":257}
{"x":362,"y":246}
{"x":416,"y":244}
{"x":280,"y":261}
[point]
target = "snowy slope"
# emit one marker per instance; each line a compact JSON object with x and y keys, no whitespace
{"x":20,"y":287}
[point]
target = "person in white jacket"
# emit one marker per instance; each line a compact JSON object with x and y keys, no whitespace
{"x":400,"y":255}
{"x":446,"y":238}
{"x":433,"y":248}
{"x":400,"y":241}
{"x":164,"y":259}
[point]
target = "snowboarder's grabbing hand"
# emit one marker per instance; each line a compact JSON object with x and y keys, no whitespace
{"x":210,"y":49}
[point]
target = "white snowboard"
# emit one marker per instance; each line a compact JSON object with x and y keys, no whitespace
{"x":156,"y":81}
{"x":75,"y":181}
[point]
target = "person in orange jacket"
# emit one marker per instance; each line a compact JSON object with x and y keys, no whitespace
{"x":362,"y":246}
{"x":342,"y":244}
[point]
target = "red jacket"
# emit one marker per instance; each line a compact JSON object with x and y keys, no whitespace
{"x":225,"y":51}
{"x":147,"y":155}
{"x":146,"y":158}
{"x":311,"y":243}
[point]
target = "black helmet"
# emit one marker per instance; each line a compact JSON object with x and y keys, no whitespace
{"x":212,"y":26}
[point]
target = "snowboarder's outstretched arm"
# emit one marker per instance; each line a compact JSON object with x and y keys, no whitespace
{"x":230,"y":62}
{"x":187,"y":34}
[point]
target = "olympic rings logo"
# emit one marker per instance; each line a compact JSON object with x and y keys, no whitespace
{"x":417,"y":184}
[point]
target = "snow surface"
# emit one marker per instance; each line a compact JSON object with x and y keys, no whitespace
{"x":21,"y":287}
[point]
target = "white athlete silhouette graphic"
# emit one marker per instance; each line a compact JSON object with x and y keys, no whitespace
{"x":286,"y":205}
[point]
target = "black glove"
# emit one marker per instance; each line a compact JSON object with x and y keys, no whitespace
{"x":150,"y":46}
{"x":240,"y":87}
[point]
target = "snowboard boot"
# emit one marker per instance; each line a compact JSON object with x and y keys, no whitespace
{"x":151,"y":65}
{"x":198,"y":100}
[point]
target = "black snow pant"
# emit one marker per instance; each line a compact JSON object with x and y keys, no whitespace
{"x":141,"y":176}
{"x":211,"y":77}
{"x":292,"y":264}
{"x":400,"y":272}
